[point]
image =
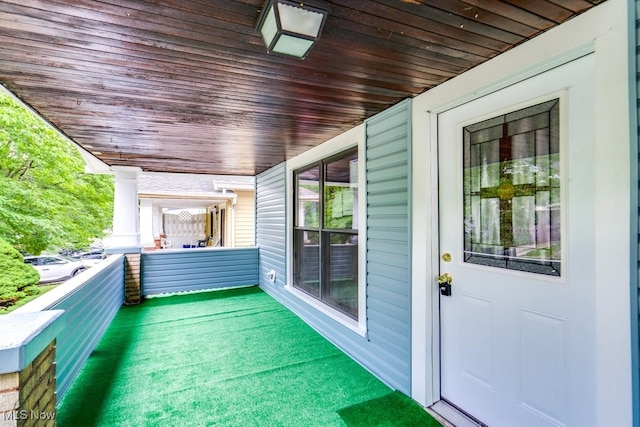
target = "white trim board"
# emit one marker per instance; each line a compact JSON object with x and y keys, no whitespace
{"x":351,"y":138}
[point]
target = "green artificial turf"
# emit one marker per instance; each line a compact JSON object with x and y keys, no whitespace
{"x":391,"y":410}
{"x":227,"y":358}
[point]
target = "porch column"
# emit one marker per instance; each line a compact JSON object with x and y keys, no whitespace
{"x":157,"y":222}
{"x":232,"y":229}
{"x":125,"y":237}
{"x":126,"y":228}
{"x":146,"y":223}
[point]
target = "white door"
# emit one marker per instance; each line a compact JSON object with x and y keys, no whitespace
{"x":516,"y":236}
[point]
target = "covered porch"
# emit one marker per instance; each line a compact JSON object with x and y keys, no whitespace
{"x":418,"y":126}
{"x":207,"y":346}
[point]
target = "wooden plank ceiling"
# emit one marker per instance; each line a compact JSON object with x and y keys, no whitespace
{"x":186,"y":85}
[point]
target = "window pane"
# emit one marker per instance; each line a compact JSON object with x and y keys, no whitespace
{"x":325,"y":253}
{"x":342,"y":287}
{"x":306,"y":266}
{"x":512,"y":218}
{"x":341,"y":193}
{"x":524,"y":222}
{"x":308,"y":191}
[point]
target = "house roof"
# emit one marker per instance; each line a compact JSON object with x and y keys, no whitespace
{"x":187,"y":86}
{"x":190,"y":185}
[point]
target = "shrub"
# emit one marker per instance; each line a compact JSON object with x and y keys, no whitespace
{"x":17,"y":279}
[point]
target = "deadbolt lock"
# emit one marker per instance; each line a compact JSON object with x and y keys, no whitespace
{"x":444,"y":282}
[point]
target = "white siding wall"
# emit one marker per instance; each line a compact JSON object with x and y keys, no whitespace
{"x":245,"y":219}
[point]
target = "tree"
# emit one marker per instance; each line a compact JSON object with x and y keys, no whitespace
{"x":46,"y":199}
{"x":18,"y":280}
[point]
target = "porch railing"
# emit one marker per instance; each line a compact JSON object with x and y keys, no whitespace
{"x":90,"y":301}
{"x":180,"y":270}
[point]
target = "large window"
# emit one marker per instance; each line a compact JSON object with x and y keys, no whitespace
{"x":325,"y":236}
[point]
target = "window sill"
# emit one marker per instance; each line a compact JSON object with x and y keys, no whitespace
{"x":354,"y":325}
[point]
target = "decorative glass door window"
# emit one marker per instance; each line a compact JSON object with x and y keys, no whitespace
{"x":512,"y":190}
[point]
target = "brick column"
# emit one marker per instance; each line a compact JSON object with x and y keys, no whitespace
{"x":9,"y":399}
{"x":132,"y":282}
{"x":28,"y":369}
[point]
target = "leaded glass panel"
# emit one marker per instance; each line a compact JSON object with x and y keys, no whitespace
{"x":512,"y":190}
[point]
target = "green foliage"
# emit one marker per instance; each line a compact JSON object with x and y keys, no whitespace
{"x":18,"y":280}
{"x":46,"y":199}
{"x":42,"y":289}
{"x":344,"y":218}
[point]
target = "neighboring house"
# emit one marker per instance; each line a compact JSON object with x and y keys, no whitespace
{"x":191,"y":210}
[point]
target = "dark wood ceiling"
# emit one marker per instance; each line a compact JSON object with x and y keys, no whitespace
{"x":186,"y":85}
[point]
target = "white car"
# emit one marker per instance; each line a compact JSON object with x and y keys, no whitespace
{"x":55,"y":268}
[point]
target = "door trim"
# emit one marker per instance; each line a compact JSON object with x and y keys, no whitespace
{"x":603,"y":30}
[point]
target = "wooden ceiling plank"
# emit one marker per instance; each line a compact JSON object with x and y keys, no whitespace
{"x":577,"y":6}
{"x":174,"y":84}
{"x":460,"y":9}
{"x":98,"y":25}
{"x":425,"y":28}
{"x":41,"y":27}
{"x":549,"y":10}
{"x":509,"y":11}
{"x":434,"y":42}
{"x":458,"y":14}
{"x":417,"y":81}
{"x":105,"y":83}
{"x":205,"y":90}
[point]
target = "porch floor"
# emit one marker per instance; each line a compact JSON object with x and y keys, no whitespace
{"x":232,"y":358}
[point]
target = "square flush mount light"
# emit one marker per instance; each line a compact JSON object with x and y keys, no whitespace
{"x":291,"y":28}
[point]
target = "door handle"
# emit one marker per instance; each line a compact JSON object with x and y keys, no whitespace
{"x":444,"y":282}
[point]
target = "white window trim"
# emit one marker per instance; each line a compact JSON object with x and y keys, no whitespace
{"x":353,"y":137}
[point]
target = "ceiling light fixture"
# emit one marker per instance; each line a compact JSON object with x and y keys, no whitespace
{"x":291,"y":28}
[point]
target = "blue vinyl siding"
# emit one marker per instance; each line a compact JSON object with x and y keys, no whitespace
{"x":270,"y":224}
{"x":88,"y":312}
{"x":198,"y":269}
{"x":388,"y":159}
{"x":386,"y":350}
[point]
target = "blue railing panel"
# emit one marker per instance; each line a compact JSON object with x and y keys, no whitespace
{"x":90,"y":301}
{"x":168,"y":271}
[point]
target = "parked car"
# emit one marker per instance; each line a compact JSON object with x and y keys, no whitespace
{"x":54,"y":268}
{"x":92,"y":257}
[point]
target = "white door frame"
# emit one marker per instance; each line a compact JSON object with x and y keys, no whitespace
{"x":602,"y":31}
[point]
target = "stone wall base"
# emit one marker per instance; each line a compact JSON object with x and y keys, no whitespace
{"x":28,"y":398}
